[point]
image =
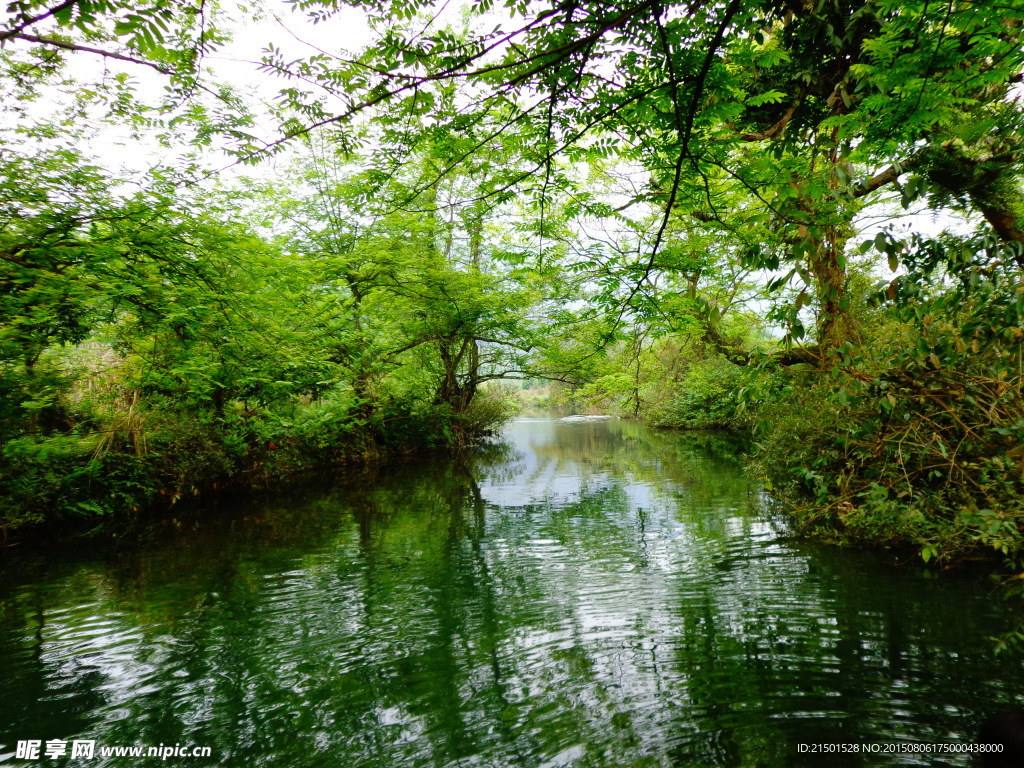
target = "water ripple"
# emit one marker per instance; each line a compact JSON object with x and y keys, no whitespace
{"x":603,"y":596}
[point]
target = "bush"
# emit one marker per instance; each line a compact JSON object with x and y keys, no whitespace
{"x":132,"y":453}
{"x":709,"y":396}
{"x":929,"y":458}
{"x":914,"y":436}
{"x":60,"y":478}
{"x":492,"y":407}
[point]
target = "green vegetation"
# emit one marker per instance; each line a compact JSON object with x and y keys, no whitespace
{"x":168,"y":342}
{"x":798,"y":219}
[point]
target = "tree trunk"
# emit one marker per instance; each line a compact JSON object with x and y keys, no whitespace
{"x":834,"y":324}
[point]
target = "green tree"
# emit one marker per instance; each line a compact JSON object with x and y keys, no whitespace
{"x":842,"y":94}
{"x":408,"y":293}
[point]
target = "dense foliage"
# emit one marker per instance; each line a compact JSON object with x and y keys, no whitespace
{"x":801,"y":219}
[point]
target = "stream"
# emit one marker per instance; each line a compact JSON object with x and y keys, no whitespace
{"x":583,"y":592}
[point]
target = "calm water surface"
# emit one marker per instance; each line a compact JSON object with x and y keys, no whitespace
{"x":590,"y":593}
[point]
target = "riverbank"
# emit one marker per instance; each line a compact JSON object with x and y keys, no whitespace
{"x":69,"y":484}
{"x":889,"y":447}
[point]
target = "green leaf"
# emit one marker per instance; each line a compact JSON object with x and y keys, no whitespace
{"x":768,"y":97}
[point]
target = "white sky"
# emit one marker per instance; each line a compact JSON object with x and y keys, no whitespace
{"x":347,"y":32}
{"x":236,"y":63}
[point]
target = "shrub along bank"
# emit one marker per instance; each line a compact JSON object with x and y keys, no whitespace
{"x":148,"y":459}
{"x":916,"y":438}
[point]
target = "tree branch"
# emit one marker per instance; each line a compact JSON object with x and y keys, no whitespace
{"x":88,"y":49}
{"x":32,"y":20}
{"x":775,"y":129}
{"x":888,"y":176}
